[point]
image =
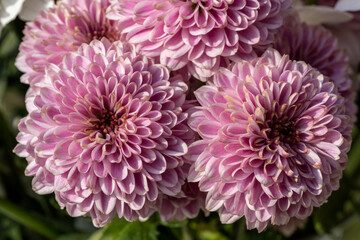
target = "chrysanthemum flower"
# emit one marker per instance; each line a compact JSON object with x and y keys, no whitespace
{"x":274,"y":141}
{"x":59,"y":30}
{"x":316,"y":46}
{"x":185,"y":205}
{"x":197,"y":34}
{"x":107,"y":133}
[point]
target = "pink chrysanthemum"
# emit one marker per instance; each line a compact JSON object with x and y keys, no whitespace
{"x":107,"y":133}
{"x":274,"y":141}
{"x":197,"y":34}
{"x":185,"y":205}
{"x":59,"y":30}
{"x":316,"y":46}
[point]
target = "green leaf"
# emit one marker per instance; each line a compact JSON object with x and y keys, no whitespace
{"x":174,"y":223}
{"x":351,"y":230}
{"x":211,"y":235}
{"x":23,"y":216}
{"x":330,"y":214}
{"x":97,"y":235}
{"x":74,"y":236}
{"x":9,"y":229}
{"x":354,"y":158}
{"x":9,"y":42}
{"x":120,"y":229}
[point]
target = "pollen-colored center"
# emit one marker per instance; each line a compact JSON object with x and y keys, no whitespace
{"x":100,"y":33}
{"x":108,"y":122}
{"x":113,"y":125}
{"x":282,"y":131}
{"x":106,"y":32}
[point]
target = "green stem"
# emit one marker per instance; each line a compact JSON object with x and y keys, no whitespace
{"x":29,"y":220}
{"x":354,"y":158}
{"x":9,"y":175}
{"x":185,"y":232}
{"x":240,"y":229}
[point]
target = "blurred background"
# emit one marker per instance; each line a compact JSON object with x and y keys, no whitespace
{"x":26,"y":215}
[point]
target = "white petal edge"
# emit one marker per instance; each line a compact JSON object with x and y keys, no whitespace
{"x":9,"y":9}
{"x":347,"y":5}
{"x":32,"y":8}
{"x":315,"y":15}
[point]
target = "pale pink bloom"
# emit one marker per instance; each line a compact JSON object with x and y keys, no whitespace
{"x":198,"y":34}
{"x":59,"y":30}
{"x":186,"y":205}
{"x":274,"y":141}
{"x":316,"y":46}
{"x":107,"y":134}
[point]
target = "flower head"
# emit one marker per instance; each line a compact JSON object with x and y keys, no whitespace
{"x":59,"y":30}
{"x":316,"y":46}
{"x":185,"y":205}
{"x":198,"y":34}
{"x":274,"y":140}
{"x":107,"y":133}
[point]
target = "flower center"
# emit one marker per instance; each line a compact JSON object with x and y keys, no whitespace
{"x":106,"y":32}
{"x":109,"y":122}
{"x":282,"y":131}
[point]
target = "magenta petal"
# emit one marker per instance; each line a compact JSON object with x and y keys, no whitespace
{"x":330,"y":149}
{"x":107,"y":185}
{"x":118,"y":171}
{"x":62,"y":149}
{"x":128,"y":184}
{"x":104,"y":203}
{"x":208,"y":129}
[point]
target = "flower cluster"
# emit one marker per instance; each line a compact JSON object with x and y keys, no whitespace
{"x":115,"y":127}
